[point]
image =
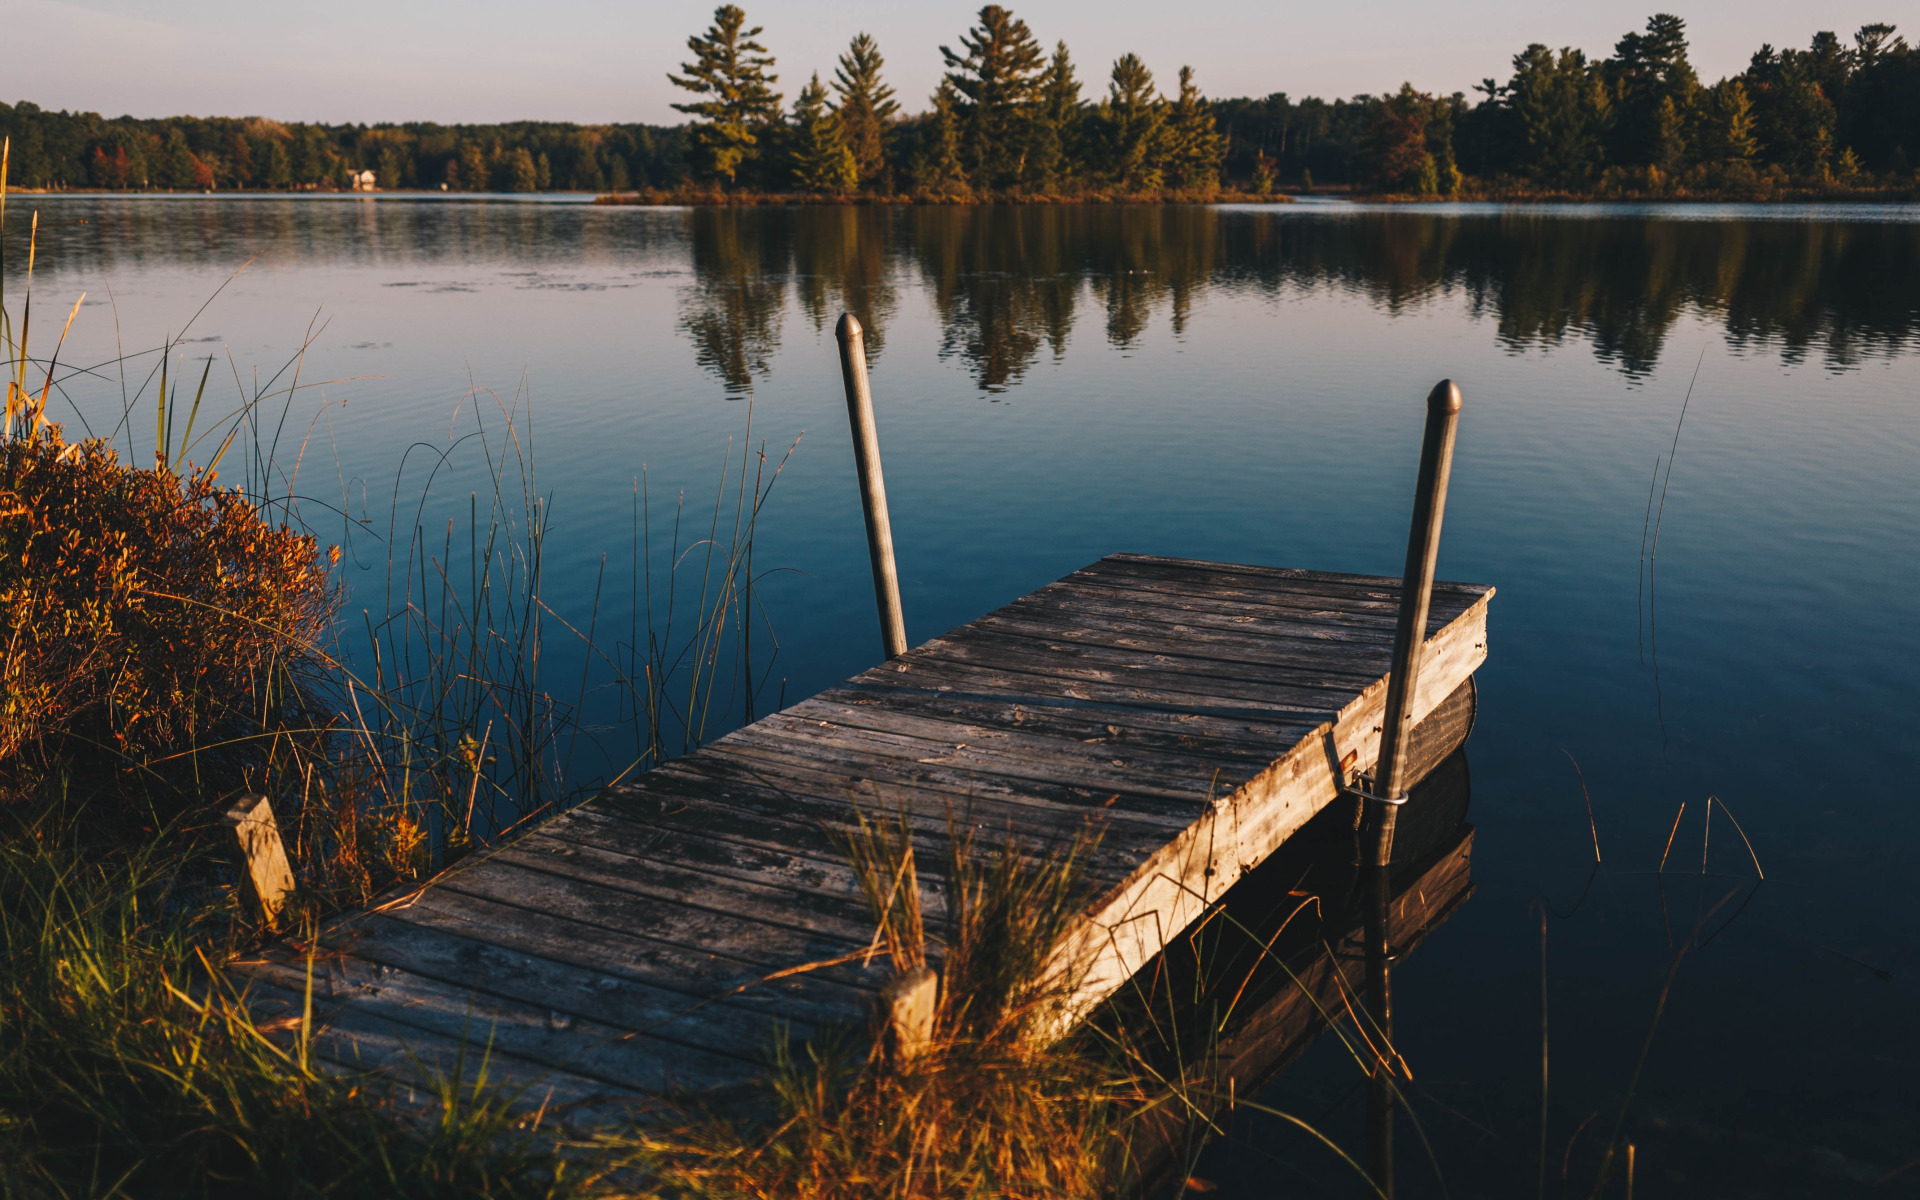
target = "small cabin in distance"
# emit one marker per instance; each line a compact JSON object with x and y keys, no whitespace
{"x":360,"y":181}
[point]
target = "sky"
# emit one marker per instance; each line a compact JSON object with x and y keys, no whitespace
{"x":600,"y":61}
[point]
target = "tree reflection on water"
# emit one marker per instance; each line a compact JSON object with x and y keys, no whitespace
{"x":1009,"y":283}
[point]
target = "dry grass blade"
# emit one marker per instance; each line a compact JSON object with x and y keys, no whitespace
{"x":881,"y":851}
{"x":987,"y":1107}
{"x":1671,"y":834}
{"x":1592,"y":827}
{"x":1713,"y":800}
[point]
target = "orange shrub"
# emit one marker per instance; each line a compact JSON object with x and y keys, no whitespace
{"x":155,"y":621}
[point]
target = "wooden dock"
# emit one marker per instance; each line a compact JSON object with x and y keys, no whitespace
{"x":1197,"y":714}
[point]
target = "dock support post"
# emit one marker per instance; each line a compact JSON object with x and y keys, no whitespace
{"x":1390,"y":782}
{"x":908,"y":1005}
{"x":264,"y":874}
{"x":873,"y":487}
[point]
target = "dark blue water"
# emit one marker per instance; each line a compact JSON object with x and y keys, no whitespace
{"x":1245,"y":384}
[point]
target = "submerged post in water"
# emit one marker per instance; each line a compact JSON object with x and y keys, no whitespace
{"x":1390,"y":782}
{"x":1416,"y":595}
{"x":873,"y":487}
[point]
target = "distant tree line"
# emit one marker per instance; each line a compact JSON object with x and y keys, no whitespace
{"x":85,"y":150}
{"x":1010,"y":117}
{"x":1640,"y":120}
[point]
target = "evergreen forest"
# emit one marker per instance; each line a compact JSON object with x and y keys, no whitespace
{"x":1014,"y":118}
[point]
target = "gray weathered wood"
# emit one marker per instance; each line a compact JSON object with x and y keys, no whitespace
{"x":1186,"y":717}
{"x":909,"y":1002}
{"x":265,"y":875}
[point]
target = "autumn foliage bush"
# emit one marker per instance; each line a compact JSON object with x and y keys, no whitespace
{"x":161,"y":629}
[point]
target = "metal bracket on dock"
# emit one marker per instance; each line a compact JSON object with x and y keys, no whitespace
{"x":1364,"y":794}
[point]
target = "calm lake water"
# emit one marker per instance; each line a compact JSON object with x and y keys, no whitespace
{"x":1246,"y":384}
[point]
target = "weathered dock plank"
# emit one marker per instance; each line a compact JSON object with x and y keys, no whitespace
{"x":1195,"y":714}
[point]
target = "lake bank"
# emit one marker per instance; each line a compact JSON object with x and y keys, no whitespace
{"x":695,"y":197}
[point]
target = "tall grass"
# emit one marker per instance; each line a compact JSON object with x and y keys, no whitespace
{"x":989,"y":1105}
{"x":475,"y":703}
{"x":460,"y":703}
{"x":129,"y":1068}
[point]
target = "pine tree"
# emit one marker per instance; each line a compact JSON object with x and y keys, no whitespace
{"x":1194,"y":144}
{"x":866,"y":108}
{"x":732,"y":69}
{"x":1728,"y":127}
{"x":822,"y":161}
{"x":1654,"y":93}
{"x":995,"y":81}
{"x":1669,"y":143}
{"x":1133,"y":125}
{"x":1057,"y":151}
{"x":1793,"y":117}
{"x":1563,"y":111}
{"x":938,"y":167}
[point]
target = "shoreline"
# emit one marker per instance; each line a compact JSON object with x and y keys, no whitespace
{"x":655,"y":198}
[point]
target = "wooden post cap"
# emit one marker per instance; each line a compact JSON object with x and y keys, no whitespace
{"x":907,"y":1003}
{"x":264,"y":872}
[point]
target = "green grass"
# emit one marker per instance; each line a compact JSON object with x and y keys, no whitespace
{"x":127,"y":1068}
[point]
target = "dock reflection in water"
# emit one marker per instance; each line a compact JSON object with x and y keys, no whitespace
{"x":1281,"y":960}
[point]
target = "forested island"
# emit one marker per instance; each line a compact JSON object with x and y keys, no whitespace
{"x":1014,"y":120}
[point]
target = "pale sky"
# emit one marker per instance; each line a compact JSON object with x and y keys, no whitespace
{"x":593,"y":60}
